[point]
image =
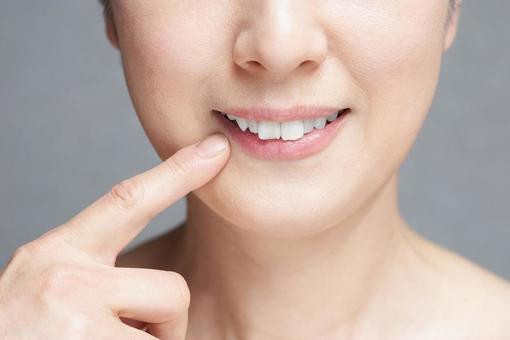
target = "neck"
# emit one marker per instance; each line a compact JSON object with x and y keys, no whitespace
{"x":247,"y":286}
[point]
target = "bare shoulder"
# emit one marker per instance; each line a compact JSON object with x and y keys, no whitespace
{"x":484,"y":299}
{"x":474,"y":299}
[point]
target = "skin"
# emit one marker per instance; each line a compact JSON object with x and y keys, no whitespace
{"x":256,"y":258}
{"x":64,"y":285}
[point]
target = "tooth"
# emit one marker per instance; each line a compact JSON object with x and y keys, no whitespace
{"x":268,"y":129}
{"x":231,"y":117}
{"x":319,"y":123}
{"x":243,"y":124}
{"x":292,"y":130}
{"x":308,"y":125}
{"x":252,"y":125}
{"x":332,"y":116}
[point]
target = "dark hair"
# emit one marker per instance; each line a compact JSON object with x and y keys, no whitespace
{"x":451,"y":9}
{"x":107,"y":9}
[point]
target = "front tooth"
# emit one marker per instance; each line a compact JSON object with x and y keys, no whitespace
{"x":243,"y":124}
{"x":268,"y":129}
{"x":252,"y":125}
{"x":332,"y":116}
{"x":319,"y":123}
{"x":292,"y":130}
{"x":308,"y":125}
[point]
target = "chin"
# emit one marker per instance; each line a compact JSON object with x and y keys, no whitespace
{"x":279,"y":210}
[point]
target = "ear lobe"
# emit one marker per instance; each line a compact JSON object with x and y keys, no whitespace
{"x":451,"y":30}
{"x":111,"y":33}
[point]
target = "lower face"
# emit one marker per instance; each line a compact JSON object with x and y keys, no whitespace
{"x":377,"y":62}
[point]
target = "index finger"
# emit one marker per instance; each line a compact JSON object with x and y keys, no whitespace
{"x":106,"y":226}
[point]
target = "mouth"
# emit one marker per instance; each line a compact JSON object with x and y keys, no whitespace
{"x":283,"y":140}
{"x":287,"y":131}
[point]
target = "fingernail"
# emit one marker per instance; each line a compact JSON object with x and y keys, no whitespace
{"x":212,"y":146}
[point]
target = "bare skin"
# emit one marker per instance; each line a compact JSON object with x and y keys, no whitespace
{"x":434,"y":294}
{"x":311,"y":249}
{"x":64,"y":284}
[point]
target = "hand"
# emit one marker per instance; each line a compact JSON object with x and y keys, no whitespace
{"x":64,"y":284}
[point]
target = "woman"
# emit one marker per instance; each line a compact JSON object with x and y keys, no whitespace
{"x":293,"y":229}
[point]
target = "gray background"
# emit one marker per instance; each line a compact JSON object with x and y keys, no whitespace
{"x":68,"y":131}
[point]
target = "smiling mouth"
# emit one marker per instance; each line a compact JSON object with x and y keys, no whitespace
{"x":290,"y":130}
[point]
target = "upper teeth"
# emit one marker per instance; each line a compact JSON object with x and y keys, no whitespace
{"x":292,"y":130}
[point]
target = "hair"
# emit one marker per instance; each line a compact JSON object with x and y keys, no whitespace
{"x":452,"y":8}
{"x":107,"y":8}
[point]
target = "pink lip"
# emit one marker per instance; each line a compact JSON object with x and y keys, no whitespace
{"x":299,"y":112}
{"x":278,"y":149}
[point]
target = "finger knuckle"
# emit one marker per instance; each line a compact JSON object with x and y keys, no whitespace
{"x":21,"y":257}
{"x":26,"y":250}
{"x":128,"y":192}
{"x":22,"y":252}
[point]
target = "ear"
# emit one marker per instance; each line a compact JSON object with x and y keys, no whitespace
{"x":451,"y":29}
{"x":111,"y":32}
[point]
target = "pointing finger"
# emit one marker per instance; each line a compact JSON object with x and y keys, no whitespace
{"x":105,"y":227}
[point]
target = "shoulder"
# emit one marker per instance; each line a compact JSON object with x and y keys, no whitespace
{"x":471,"y":301}
{"x":482,"y":300}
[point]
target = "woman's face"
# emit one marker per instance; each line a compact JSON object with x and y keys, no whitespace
{"x":380,"y":58}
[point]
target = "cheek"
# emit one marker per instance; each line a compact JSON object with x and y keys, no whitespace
{"x":166,"y":68}
{"x":170,"y":68}
{"x":171,"y":37}
{"x":396,"y":62}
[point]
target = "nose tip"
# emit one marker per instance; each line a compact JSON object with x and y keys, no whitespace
{"x":280,"y":42}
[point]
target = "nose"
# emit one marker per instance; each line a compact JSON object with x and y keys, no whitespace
{"x":280,"y":37}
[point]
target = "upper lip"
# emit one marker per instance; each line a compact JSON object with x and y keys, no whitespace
{"x":298,"y":112}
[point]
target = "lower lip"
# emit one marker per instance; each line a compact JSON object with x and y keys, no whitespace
{"x":279,"y":149}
